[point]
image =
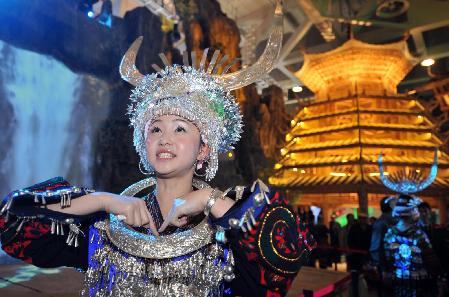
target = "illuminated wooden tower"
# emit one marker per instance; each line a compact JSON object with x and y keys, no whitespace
{"x":330,"y":158}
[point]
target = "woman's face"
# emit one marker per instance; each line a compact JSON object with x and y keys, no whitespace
{"x":173,"y":144}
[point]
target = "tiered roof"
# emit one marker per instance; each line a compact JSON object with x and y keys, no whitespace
{"x":334,"y":143}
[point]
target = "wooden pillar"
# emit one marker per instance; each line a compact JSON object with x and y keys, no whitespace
{"x":325,"y":212}
{"x":363,"y":200}
{"x":442,"y":204}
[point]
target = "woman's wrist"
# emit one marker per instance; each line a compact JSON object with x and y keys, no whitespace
{"x":102,"y":199}
{"x":221,"y":206}
{"x":217,"y":203}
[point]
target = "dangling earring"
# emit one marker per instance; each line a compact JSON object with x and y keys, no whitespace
{"x":198,"y":166}
{"x":143,"y":172}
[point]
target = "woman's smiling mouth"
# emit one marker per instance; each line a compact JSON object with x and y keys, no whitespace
{"x":165,"y":155}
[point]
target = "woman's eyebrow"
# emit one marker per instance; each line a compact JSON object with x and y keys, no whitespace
{"x":181,"y":120}
{"x":155,"y":121}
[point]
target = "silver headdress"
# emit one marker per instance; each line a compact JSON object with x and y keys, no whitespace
{"x":196,"y":93}
{"x":409,"y":182}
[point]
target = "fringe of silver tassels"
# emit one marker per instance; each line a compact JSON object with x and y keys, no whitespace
{"x":247,"y":221}
{"x":201,"y":274}
{"x":42,"y":196}
{"x":57,"y":226}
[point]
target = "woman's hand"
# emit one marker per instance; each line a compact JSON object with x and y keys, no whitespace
{"x":189,"y":205}
{"x":133,"y":209}
{"x":193,"y":204}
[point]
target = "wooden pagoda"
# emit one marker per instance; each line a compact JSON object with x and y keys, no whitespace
{"x":331,"y":151}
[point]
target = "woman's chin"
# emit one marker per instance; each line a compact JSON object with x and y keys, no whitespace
{"x":169,"y":173}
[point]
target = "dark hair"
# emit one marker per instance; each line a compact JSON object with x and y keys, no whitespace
{"x":424,"y":205}
{"x":385,"y":205}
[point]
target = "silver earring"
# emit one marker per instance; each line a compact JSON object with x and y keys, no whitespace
{"x":198,"y":167}
{"x":143,"y":172}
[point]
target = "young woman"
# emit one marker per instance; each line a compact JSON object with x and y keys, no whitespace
{"x":411,"y":265}
{"x":170,"y":234}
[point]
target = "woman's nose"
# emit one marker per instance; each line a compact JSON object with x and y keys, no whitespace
{"x":165,"y":139}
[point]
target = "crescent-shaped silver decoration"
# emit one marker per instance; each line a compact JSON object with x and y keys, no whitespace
{"x":266,"y":62}
{"x":128,"y":70}
{"x":409,"y":186}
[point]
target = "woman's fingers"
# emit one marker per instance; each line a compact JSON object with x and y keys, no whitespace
{"x":129,"y":215}
{"x":144,"y":213}
{"x":137,"y":218}
{"x":166,"y":222}
{"x":180,"y":221}
{"x":173,"y":214}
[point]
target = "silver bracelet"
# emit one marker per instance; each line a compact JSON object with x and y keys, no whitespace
{"x":213,"y":196}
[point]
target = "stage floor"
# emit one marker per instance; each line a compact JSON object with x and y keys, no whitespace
{"x":21,"y":280}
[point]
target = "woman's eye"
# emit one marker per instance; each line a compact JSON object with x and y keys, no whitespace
{"x":155,"y":130}
{"x":180,"y":129}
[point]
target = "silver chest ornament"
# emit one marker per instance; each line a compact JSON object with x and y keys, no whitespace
{"x":130,"y":263}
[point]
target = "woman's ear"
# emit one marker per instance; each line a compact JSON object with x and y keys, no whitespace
{"x":204,"y":152}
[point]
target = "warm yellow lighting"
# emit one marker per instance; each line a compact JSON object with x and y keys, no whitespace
{"x":427,"y":62}
{"x":283,"y":151}
{"x":277,"y":166}
{"x":428,"y":135}
{"x":297,"y":89}
{"x":327,"y":77}
{"x":230,"y":155}
{"x":372,"y":76}
{"x":418,"y":171}
{"x":446,"y":99}
{"x":377,"y":173}
{"x":338,"y":174}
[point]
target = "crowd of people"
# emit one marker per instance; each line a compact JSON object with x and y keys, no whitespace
{"x":403,"y":252}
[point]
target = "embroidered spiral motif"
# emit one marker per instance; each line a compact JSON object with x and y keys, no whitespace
{"x":277,"y":241}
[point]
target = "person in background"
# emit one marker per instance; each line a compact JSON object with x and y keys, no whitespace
{"x":335,"y":231}
{"x":359,"y":239}
{"x":376,"y":250}
{"x":380,"y":227}
{"x":425,"y":218}
{"x":411,"y":263}
{"x":345,"y":231}
{"x":321,"y":234}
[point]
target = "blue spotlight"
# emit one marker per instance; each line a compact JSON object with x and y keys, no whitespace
{"x":90,"y":14}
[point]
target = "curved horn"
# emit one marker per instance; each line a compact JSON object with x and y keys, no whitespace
{"x":432,"y":174}
{"x":267,"y":60}
{"x":385,"y":180}
{"x":409,"y":186}
{"x":128,"y":69}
